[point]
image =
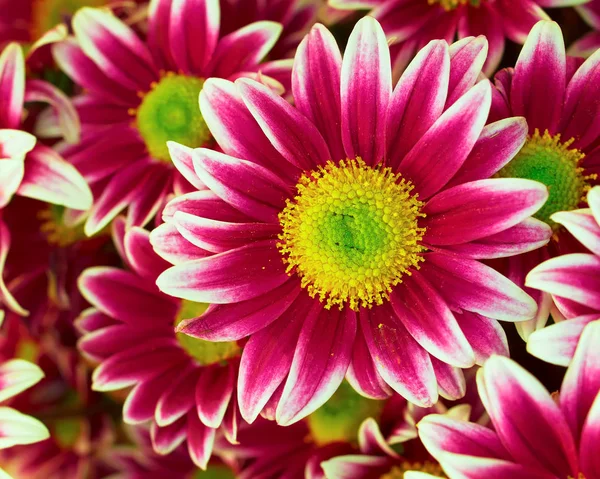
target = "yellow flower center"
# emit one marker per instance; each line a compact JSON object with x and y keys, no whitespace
{"x":205,"y":352}
{"x":339,"y":419}
{"x":546,"y":159}
{"x":452,"y":4}
{"x":397,"y":472}
{"x":54,"y":228}
{"x":351,"y":233}
{"x":46,"y":14}
{"x":170,"y":112}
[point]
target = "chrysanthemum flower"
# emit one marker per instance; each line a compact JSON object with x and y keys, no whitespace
{"x":185,"y":386}
{"x":572,"y":280}
{"x":413,"y":23}
{"x":590,"y":42}
{"x":536,"y":435}
{"x":139,"y":94}
{"x":562,"y":151}
{"x":342,"y":235}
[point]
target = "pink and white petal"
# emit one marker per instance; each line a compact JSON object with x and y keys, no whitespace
{"x":12,"y":170}
{"x":115,"y":48}
{"x":577,"y":274}
{"x":182,"y":158}
{"x":17,"y":375}
{"x":428,"y":319}
{"x":12,"y":86}
{"x":520,"y":17}
{"x":316,"y":86}
{"x":172,"y":247}
{"x":466,"y":61}
{"x":581,"y":384}
{"x":237,"y":275}
{"x":527,"y":420}
{"x":119,"y":192}
{"x":399,"y":359}
{"x":583,"y":225}
{"x":159,"y":13}
{"x":49,"y":177}
{"x":220,"y":236}
{"x":248,"y":187}
{"x":362,"y":373}
{"x":539,"y":82}
{"x":451,"y":380}
{"x":420,"y":93}
{"x":371,"y":440}
{"x":483,"y":467}
{"x":200,"y":439}
{"x":585,"y":46}
{"x":176,"y":400}
{"x":355,"y":466}
{"x":6,"y":297}
{"x":485,"y":335}
{"x":204,"y":204}
{"x":293,"y":135}
{"x":232,"y":322}
{"x":166,"y":439}
{"x":498,"y":143}
{"x":125,"y":296}
{"x":243,"y":49}
{"x":152,"y":194}
{"x":593,"y":198}
{"x":366,"y":89}
{"x":19,"y":429}
{"x":268,"y":356}
{"x":65,"y":113}
{"x":141,"y":256}
{"x":589,"y":461}
{"x":236,"y":131}
{"x":443,"y":149}
{"x":193,"y":33}
{"x":470,"y":285}
{"x":556,"y":344}
{"x":142,"y":400}
{"x":477,"y":209}
{"x":213,"y":393}
{"x":321,"y":359}
{"x":530,"y":234}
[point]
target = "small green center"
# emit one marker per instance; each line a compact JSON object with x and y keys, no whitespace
{"x":218,"y":471}
{"x":170,"y":112}
{"x":546,"y":159}
{"x":205,"y":352}
{"x":339,"y":419}
{"x":67,"y":431}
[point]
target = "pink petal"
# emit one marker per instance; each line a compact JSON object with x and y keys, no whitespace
{"x":590,"y":438}
{"x":166,"y":439}
{"x":213,"y":393}
{"x":583,"y":225}
{"x":204,"y":204}
{"x":485,"y":335}
{"x":141,"y":256}
{"x":174,"y":248}
{"x":178,"y":398}
{"x":321,"y":359}
{"x":450,"y":379}
{"x":201,"y":439}
{"x":466,"y":61}
{"x":12,"y":86}
{"x":141,"y":401}
{"x":366,"y":88}
{"x":182,"y":158}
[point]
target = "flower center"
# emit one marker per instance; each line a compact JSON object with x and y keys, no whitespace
{"x":397,"y":472}
{"x":339,"y":419}
{"x":54,"y":228}
{"x":46,"y":14}
{"x":452,"y":4}
{"x":351,"y":233}
{"x":214,"y":472}
{"x":546,"y":159}
{"x":205,"y":352}
{"x":170,"y":112}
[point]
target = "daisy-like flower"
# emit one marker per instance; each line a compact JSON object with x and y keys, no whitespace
{"x":562,"y":151}
{"x":17,"y":375}
{"x":139,"y":94}
{"x":536,"y":435}
{"x":590,"y":42}
{"x":185,"y":386}
{"x":411,"y":24}
{"x":342,"y":235}
{"x":572,"y":280}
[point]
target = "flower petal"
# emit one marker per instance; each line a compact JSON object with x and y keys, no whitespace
{"x":174,"y":248}
{"x":200,"y":439}
{"x":18,"y":429}
{"x":213,"y":393}
{"x":583,"y":225}
{"x":16,"y":375}
{"x":485,"y":335}
{"x":12,"y":86}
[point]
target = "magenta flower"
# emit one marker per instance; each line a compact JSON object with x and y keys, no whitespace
{"x":139,"y":94}
{"x":343,"y":235}
{"x":589,"y":43}
{"x":413,"y":23}
{"x":572,"y":280}
{"x":560,"y":104}
{"x":536,"y":435}
{"x":183,"y":385}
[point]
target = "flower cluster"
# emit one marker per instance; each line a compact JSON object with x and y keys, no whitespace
{"x":286,"y":239}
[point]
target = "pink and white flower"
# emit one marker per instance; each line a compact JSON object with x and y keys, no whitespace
{"x":141,"y":93}
{"x":573,"y":282}
{"x":558,"y":95}
{"x":590,"y":42}
{"x":411,"y":24}
{"x":185,"y":387}
{"x":403,"y":301}
{"x":536,"y":435}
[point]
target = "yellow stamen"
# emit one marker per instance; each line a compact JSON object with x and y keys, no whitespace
{"x":397,"y":472}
